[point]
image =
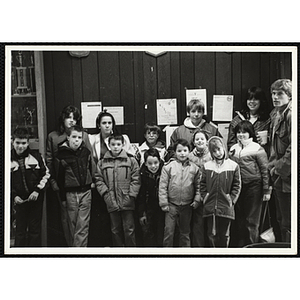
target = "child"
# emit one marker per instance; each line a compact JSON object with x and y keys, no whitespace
{"x":196,"y":119}
{"x":75,"y":178}
{"x":253,"y":162}
{"x":199,"y":156}
{"x":150,"y":215}
{"x":220,"y":187}
{"x":29,"y":176}
{"x":179,"y":193}
{"x":118,"y":182}
{"x":152,"y":134}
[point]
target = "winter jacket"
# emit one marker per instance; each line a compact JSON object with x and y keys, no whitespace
{"x":186,"y":132}
{"x":148,"y":196}
{"x":280,"y":156}
{"x":220,"y":186}
{"x":36,"y":173}
{"x":160,"y":146}
{"x":258,"y":125}
{"x":253,"y":162}
{"x":118,"y":181}
{"x":179,"y":183}
{"x":75,"y":168}
{"x":199,"y":158}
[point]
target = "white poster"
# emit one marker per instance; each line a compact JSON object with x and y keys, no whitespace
{"x":223,"y":129}
{"x":117,"y":112}
{"x":169,"y":130}
{"x":222,"y":107}
{"x":199,"y":94}
{"x":166,"y":111}
{"x":90,"y":111}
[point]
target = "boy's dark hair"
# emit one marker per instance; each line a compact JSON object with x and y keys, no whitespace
{"x":67,"y":110}
{"x":195,"y":104}
{"x":118,"y":137}
{"x":77,"y":128}
{"x":151,"y":152}
{"x":20,"y":133}
{"x":183,"y":143}
{"x":246,"y":126}
{"x":152,"y":127}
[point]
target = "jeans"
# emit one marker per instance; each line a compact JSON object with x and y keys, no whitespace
{"x":78,"y":209}
{"x":283,"y":214}
{"x":198,"y":235}
{"x":218,"y":231}
{"x":122,"y":228}
{"x":247,"y":214}
{"x":180,"y":214}
{"x":28,"y":223}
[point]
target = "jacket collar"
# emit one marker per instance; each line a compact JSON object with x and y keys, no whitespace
{"x":188,"y":123}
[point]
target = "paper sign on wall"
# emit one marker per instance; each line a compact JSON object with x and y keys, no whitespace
{"x":166,"y":111}
{"x":222,"y":107}
{"x":117,"y":112}
{"x":199,"y":94}
{"x":90,"y":111}
{"x":223,"y":129}
{"x":169,"y":130}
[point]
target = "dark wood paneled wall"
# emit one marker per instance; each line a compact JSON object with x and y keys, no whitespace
{"x":136,"y":79}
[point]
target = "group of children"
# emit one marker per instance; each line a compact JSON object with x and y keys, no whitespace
{"x":187,"y":195}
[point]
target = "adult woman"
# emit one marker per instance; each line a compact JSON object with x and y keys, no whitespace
{"x":255,"y":109}
{"x":69,"y":117}
{"x":100,"y":234}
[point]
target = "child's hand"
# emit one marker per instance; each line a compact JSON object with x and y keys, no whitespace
{"x":93,"y":185}
{"x":33,"y":196}
{"x":143,"y":220}
{"x":18,"y":200}
{"x":266,"y":197}
{"x":195,"y":204}
{"x":165,"y":208}
{"x":64,"y":204}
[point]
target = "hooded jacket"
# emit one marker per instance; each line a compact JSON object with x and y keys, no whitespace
{"x":118,"y":181}
{"x":179,"y":183}
{"x":36,"y":174}
{"x":148,"y":196}
{"x":186,"y":132}
{"x":220,"y":185}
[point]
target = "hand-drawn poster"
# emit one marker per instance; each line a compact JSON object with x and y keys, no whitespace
{"x":199,"y":94}
{"x":222,"y":107}
{"x":117,"y":112}
{"x":90,"y":111}
{"x":166,"y":111}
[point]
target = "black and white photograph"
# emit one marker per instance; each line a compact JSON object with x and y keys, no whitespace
{"x":149,"y":150}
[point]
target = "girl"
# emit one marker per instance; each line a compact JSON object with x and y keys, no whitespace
{"x":253,"y":162}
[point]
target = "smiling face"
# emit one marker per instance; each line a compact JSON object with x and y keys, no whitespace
{"x":115,"y":146}
{"x":242,"y":136}
{"x":20,"y":145}
{"x":151,"y":137}
{"x":196,"y":116}
{"x":280,"y":98}
{"x":253,"y":105}
{"x":182,"y":152}
{"x":200,"y":141}
{"x":69,"y":121}
{"x":152,"y":163}
{"x":75,"y":139}
{"x":105,"y":127}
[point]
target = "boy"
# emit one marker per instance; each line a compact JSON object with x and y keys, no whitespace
{"x":75,"y":173}
{"x":150,"y":215}
{"x":152,"y":134}
{"x":280,"y":153}
{"x":220,"y":187}
{"x":118,"y":182}
{"x":29,"y":176}
{"x":179,"y":193}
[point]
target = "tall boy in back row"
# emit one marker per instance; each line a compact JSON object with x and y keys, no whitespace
{"x":29,"y":177}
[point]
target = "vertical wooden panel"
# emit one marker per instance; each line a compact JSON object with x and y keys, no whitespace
{"x":205,"y":76}
{"x":150,"y":87}
{"x":139,"y":95}
{"x":127,"y":93}
{"x":109,"y":82}
{"x":175,"y":80}
{"x":90,"y":77}
{"x":265,"y":76}
{"x":237,"y":81}
{"x":274,"y":67}
{"x":286,"y":65}
{"x":223,"y":73}
{"x":77,"y":81}
{"x":250,"y":71}
{"x":187,"y":80}
{"x":164,"y":76}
